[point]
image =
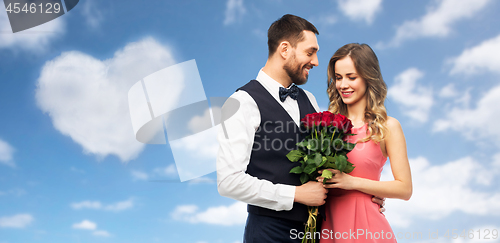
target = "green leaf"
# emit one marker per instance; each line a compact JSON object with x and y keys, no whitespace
{"x":313,"y":144}
{"x":341,"y":162}
{"x":349,"y":146}
{"x":310,"y":159}
{"x":342,"y":152}
{"x":296,"y":170}
{"x":338,"y":144}
{"x":310,"y":168}
{"x":295,"y":155}
{"x":323,"y":161}
{"x":325,"y":144}
{"x":349,"y":167}
{"x":304,"y":178}
{"x":328,"y":151}
{"x":330,"y":162}
{"x":303,"y":143}
{"x":318,"y":159}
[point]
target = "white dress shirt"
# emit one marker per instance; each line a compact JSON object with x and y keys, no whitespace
{"x":235,"y":149}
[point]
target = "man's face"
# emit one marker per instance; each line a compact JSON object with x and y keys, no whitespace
{"x":303,"y":58}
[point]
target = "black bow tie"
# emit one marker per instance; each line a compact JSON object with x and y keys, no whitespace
{"x":293,"y":92}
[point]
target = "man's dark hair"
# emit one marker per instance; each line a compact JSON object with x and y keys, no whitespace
{"x":289,"y":28}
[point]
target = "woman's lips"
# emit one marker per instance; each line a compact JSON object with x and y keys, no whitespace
{"x":346,"y":94}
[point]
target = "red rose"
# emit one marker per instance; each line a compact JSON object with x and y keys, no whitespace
{"x":317,"y":118}
{"x":348,"y":126}
{"x":308,"y":121}
{"x":327,"y":118}
{"x":313,"y":119}
{"x":342,"y":123}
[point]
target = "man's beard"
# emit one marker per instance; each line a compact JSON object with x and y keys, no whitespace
{"x":295,"y":72}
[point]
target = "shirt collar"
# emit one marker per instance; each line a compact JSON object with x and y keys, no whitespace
{"x":272,"y":86}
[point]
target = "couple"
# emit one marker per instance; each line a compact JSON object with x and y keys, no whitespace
{"x":252,"y":165}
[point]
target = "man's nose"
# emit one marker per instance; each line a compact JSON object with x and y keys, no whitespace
{"x":315,"y":61}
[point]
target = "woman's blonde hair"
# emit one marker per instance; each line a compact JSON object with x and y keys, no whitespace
{"x":367,"y":66}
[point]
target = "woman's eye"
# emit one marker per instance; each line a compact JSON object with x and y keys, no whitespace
{"x":352,"y":78}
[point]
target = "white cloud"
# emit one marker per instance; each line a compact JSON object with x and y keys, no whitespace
{"x":139,"y":175}
{"x":476,"y":124}
{"x":16,"y":221}
{"x":325,"y":20}
{"x":36,"y":39}
{"x":440,"y":190}
{"x":234,"y":214}
{"x":415,"y":100}
{"x":89,"y":225}
{"x":101,"y":233}
{"x":118,"y":206}
{"x":438,"y":20}
{"x":6,"y":154}
{"x":170,"y":170}
{"x":234,"y":11}
{"x":204,"y":143}
{"x":483,"y":57}
{"x":199,"y":123}
{"x":86,"y":98}
{"x":87,"y":204}
{"x":85,"y":225}
{"x":448,"y":91}
{"x":92,"y":13}
{"x":196,"y":154}
{"x":360,"y":10}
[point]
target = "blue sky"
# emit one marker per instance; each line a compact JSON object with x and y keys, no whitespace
{"x":71,"y":170}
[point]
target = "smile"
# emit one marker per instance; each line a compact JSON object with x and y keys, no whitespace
{"x":307,"y":69}
{"x":347,"y":94}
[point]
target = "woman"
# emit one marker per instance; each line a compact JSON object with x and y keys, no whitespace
{"x":357,"y":90}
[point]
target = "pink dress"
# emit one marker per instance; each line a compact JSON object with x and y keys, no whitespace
{"x":351,"y":216}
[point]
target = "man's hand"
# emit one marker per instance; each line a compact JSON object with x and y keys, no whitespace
{"x":380,"y":202}
{"x":311,"y":194}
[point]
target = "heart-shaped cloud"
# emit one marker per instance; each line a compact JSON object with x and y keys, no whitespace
{"x":86,"y":98}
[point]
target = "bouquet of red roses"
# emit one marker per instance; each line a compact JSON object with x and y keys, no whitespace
{"x":325,"y":147}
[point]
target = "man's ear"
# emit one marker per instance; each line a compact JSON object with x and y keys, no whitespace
{"x":284,"y":49}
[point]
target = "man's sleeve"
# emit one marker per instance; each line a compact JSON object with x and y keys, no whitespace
{"x":235,"y":146}
{"x":313,"y":101}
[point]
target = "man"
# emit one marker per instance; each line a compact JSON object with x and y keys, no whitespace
{"x":252,"y":165}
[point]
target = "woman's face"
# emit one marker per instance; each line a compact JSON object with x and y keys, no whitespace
{"x":349,"y":84}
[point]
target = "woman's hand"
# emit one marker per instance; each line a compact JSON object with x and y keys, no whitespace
{"x":339,"y":180}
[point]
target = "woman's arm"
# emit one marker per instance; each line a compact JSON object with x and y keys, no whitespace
{"x":400,"y":187}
